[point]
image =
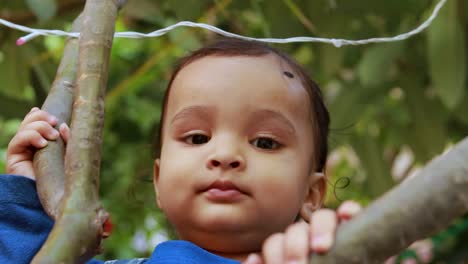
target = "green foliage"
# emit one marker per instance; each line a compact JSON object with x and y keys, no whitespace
{"x":446,"y":45}
{"x":11,"y":66}
{"x":383,"y":98}
{"x":43,"y":9}
{"x":376,"y":63}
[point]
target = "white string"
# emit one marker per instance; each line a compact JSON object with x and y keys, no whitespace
{"x":336,"y":42}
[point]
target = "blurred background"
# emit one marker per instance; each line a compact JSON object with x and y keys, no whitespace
{"x":393,"y":106}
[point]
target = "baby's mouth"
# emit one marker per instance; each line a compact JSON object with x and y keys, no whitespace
{"x":223,"y":192}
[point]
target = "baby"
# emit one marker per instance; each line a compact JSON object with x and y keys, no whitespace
{"x":243,"y":146}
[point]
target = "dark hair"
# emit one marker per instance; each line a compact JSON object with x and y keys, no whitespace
{"x":231,"y":47}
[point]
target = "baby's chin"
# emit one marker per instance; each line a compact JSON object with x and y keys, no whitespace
{"x":229,"y":245}
{"x":228,"y":237}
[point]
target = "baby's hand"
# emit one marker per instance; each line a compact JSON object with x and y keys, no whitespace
{"x":33,"y":133}
{"x":300,"y":239}
{"x":423,"y":253}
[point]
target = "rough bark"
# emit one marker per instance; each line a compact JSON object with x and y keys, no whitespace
{"x":78,"y":230}
{"x":411,"y":211}
{"x":49,"y":161}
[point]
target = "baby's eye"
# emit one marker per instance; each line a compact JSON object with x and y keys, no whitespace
{"x":196,"y":139}
{"x":265,"y":143}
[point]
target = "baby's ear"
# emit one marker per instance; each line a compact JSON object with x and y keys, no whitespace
{"x":155,"y":180}
{"x":315,"y":195}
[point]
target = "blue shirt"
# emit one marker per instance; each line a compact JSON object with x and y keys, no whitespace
{"x":24,"y":226}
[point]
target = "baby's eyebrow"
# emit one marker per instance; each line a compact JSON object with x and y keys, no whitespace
{"x":191,"y":111}
{"x":264,"y":114}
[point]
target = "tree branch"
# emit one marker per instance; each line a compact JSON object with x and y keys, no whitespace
{"x":415,"y":209}
{"x":49,"y":161}
{"x":78,"y":231}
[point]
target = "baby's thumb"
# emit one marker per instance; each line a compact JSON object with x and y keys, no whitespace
{"x":64,"y":132}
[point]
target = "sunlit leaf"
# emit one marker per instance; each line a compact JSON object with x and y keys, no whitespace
{"x":446,"y":55}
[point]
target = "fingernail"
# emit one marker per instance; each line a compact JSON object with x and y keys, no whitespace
{"x":54,"y":133}
{"x":42,"y":142}
{"x":52,"y":119}
{"x":344,"y":217}
{"x":321,"y":243}
{"x":33,"y":109}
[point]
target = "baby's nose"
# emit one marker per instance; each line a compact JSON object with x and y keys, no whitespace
{"x":232,"y":164}
{"x":226,"y":153}
{"x":226,"y":161}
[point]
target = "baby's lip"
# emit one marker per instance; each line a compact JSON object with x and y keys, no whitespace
{"x":223,"y":185}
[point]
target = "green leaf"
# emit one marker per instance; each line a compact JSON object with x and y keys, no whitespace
{"x":374,"y":67}
{"x":13,"y":70}
{"x":43,"y":9}
{"x":426,"y":134}
{"x":147,"y":10}
{"x":370,"y":152}
{"x":13,"y":108}
{"x":331,"y":59}
{"x":188,"y":9}
{"x":462,"y":110}
{"x":348,"y":105}
{"x":280,"y":20}
{"x":446,"y":55}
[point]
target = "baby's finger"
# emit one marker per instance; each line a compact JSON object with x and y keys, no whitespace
{"x":39,"y":115}
{"x":348,"y":210}
{"x":423,"y":249}
{"x":323,"y":225}
{"x":296,"y":243}
{"x":391,"y":260}
{"x":409,"y":261}
{"x":253,"y":259}
{"x":273,"y":249}
{"x":64,"y":132}
{"x":44,"y":128}
{"x":23,"y":140}
{"x":34,"y":109}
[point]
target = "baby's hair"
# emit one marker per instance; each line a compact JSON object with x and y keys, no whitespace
{"x":230,"y":47}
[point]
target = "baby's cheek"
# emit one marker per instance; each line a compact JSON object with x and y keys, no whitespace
{"x":280,"y":196}
{"x":171,"y":186}
{"x":172,"y":197}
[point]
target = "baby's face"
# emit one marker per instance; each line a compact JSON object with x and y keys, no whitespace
{"x":237,"y":148}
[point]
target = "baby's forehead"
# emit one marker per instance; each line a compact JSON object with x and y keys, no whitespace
{"x":272,"y":63}
{"x":269,"y":78}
